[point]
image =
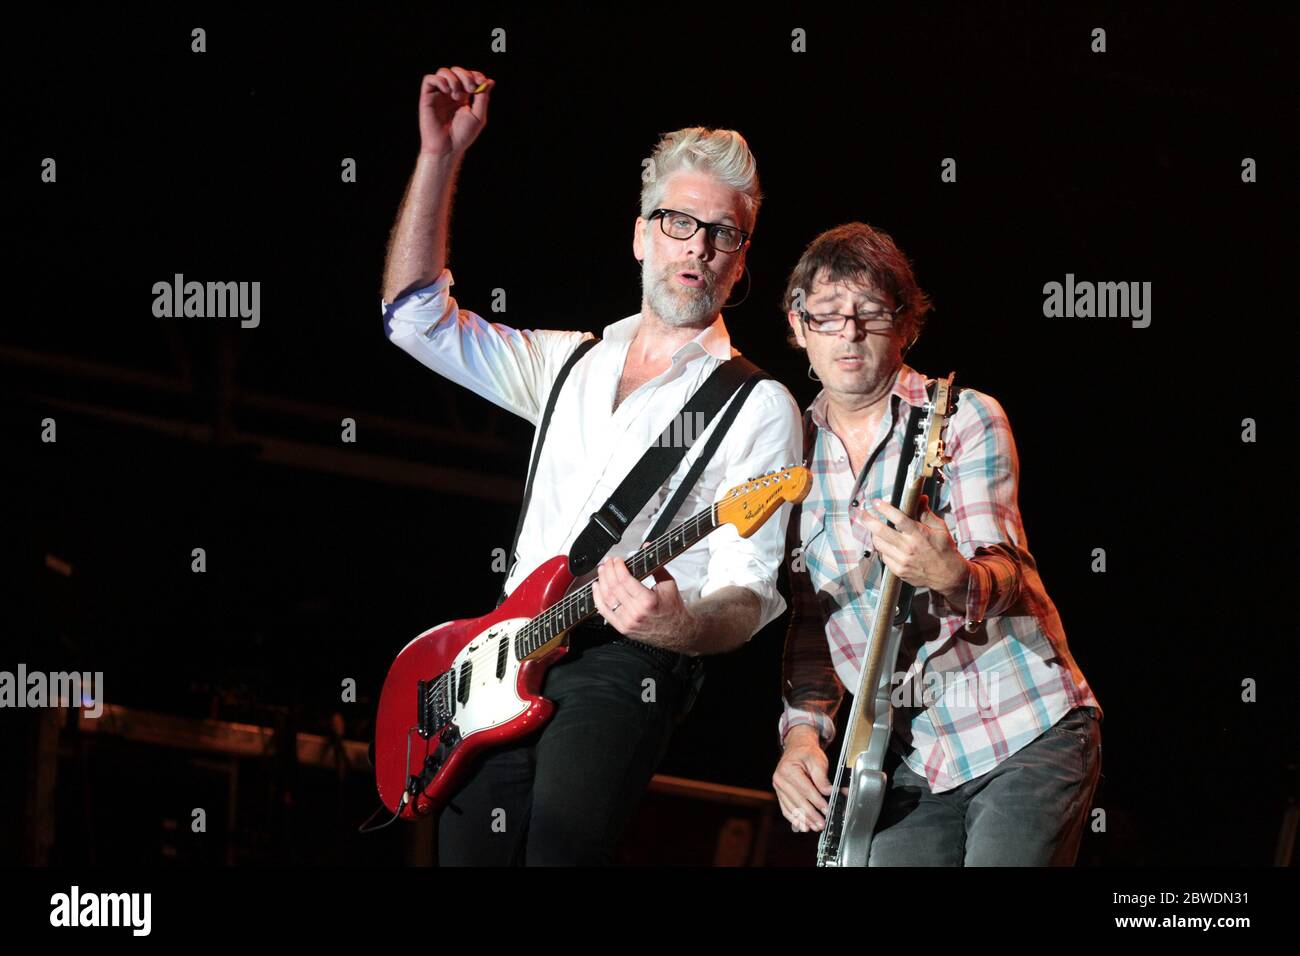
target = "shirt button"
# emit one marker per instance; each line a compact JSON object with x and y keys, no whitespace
{"x":855,"y":502}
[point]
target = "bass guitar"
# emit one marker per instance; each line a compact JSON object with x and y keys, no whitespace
{"x":859,"y":782}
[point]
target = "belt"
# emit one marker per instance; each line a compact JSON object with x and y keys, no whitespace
{"x":597,"y":633}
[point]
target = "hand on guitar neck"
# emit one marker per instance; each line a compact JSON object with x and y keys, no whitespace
{"x":722,"y":622}
{"x":471,"y":685}
{"x":922,"y":552}
{"x":655,"y":616}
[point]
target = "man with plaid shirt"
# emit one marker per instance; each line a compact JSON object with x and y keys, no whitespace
{"x":996,"y":750}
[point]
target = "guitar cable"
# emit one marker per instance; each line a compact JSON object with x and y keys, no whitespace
{"x":406,"y":795}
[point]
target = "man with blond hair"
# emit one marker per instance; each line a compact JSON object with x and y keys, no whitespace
{"x":563,"y":795}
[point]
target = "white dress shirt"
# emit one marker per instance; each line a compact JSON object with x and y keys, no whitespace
{"x":589,"y":449}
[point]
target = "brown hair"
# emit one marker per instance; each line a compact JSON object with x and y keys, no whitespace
{"x":856,"y":252}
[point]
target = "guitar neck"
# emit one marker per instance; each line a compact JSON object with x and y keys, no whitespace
{"x":576,"y":607}
{"x":873,"y":666}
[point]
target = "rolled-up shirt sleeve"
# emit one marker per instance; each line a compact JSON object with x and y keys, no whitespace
{"x":983,"y":509}
{"x":512,"y":368}
{"x":811,"y":692}
{"x":766,"y":436}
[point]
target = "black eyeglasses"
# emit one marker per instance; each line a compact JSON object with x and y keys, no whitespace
{"x":681,"y":225}
{"x":878,"y":320}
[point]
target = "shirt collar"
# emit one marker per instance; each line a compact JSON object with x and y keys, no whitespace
{"x":909,"y":387}
{"x":714,"y":340}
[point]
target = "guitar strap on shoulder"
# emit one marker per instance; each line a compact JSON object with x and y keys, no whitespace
{"x":606,"y":526}
{"x":670,"y":510}
{"x":900,"y":482}
{"x":582,"y":349}
{"x":931,"y":486}
{"x":908,"y":453}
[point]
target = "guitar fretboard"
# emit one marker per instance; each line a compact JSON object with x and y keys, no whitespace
{"x":575,"y":608}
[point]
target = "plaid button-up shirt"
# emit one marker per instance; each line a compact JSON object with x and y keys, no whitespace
{"x":973,"y":685}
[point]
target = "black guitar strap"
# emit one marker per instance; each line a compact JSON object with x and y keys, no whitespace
{"x":906,"y":590}
{"x":670,"y":510}
{"x":606,"y":526}
{"x":900,"y":481}
{"x":737,"y":376}
{"x":572,"y":360}
{"x":930,"y":489}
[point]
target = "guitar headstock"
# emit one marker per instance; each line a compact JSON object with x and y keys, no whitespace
{"x":747,"y":506}
{"x":930,"y":443}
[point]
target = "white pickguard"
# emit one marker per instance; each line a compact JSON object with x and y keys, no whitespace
{"x":492,"y":701}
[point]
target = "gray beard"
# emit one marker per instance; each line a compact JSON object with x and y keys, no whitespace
{"x":679,"y":305}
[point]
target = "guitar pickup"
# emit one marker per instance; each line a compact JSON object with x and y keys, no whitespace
{"x":466,"y":670}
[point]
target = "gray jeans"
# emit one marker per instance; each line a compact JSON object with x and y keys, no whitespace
{"x":1029,"y":810}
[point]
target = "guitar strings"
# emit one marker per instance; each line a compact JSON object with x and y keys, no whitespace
{"x":537,"y":625}
{"x":575,"y":600}
{"x":534,"y":628}
{"x":567,"y":601}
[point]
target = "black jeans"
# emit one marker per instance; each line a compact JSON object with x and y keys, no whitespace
{"x":563,"y":795}
{"x":1029,"y":810}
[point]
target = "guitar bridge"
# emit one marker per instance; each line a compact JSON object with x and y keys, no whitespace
{"x":433,"y":705}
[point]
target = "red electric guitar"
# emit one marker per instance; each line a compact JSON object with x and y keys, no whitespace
{"x":470,"y":685}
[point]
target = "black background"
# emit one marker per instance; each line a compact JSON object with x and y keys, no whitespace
{"x":225,"y":166}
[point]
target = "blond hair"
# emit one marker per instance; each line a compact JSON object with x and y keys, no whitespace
{"x":722,"y":153}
